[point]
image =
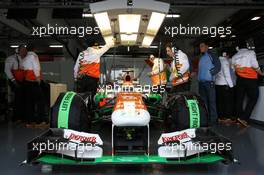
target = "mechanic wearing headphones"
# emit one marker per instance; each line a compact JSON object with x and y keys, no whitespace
{"x":180,"y":73}
{"x":87,"y":67}
{"x":15,"y":75}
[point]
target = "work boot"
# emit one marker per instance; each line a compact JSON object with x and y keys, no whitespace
{"x":244,"y":123}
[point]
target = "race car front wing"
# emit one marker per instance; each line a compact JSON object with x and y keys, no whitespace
{"x":191,"y":146}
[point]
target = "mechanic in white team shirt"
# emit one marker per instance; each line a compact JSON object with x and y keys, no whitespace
{"x":15,"y":76}
{"x":158,"y":72}
{"x":225,"y":82}
{"x":180,"y":69}
{"x":247,"y":71}
{"x":33,"y":91}
{"x":87,"y":67}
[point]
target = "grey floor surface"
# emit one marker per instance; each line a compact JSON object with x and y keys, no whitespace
{"x":248,"y":147}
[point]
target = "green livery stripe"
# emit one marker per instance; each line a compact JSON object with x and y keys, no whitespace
{"x":194,"y":113}
{"x":130,"y":159}
{"x":64,"y":110}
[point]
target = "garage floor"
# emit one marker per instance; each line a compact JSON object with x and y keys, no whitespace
{"x":248,"y":148}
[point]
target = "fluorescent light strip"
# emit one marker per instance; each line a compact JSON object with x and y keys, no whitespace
{"x":155,"y":22}
{"x":55,"y":46}
{"x":87,"y":15}
{"x":210,"y":47}
{"x":14,"y":46}
{"x":173,"y":15}
{"x":222,"y":36}
{"x":151,"y":47}
{"x":129,"y":23}
{"x":103,"y":23}
{"x":233,"y":36}
{"x":255,"y":18}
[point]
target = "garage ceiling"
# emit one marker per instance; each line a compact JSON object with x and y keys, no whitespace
{"x":193,"y":12}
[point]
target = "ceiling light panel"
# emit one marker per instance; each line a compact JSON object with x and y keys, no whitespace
{"x":103,"y":23}
{"x":155,"y":22}
{"x":128,"y":39}
{"x":129,"y":23}
{"x":147,"y":41}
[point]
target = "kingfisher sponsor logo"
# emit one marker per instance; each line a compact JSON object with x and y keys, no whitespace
{"x":175,"y":138}
{"x":82,"y":138}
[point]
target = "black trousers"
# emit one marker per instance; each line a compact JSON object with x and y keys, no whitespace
{"x":181,"y":87}
{"x":18,"y":104}
{"x":35,"y":102}
{"x":225,"y":98}
{"x":246,"y":87}
{"x":87,"y":84}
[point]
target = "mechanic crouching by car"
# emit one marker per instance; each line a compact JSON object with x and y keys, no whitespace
{"x":15,"y":75}
{"x":209,"y":65}
{"x":158,"y":73}
{"x":180,"y":74}
{"x":247,"y":70}
{"x":33,"y":92}
{"x":87,"y":67}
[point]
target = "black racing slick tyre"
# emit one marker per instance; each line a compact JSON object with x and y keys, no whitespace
{"x":186,"y":110}
{"x":70,"y":111}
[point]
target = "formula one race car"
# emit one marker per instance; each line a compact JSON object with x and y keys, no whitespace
{"x":136,"y":127}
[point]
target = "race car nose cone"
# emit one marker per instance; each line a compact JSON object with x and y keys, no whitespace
{"x":123,"y":117}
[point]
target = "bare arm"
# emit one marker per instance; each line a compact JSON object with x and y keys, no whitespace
{"x":8,"y":67}
{"x":77,"y":65}
{"x":260,"y":72}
